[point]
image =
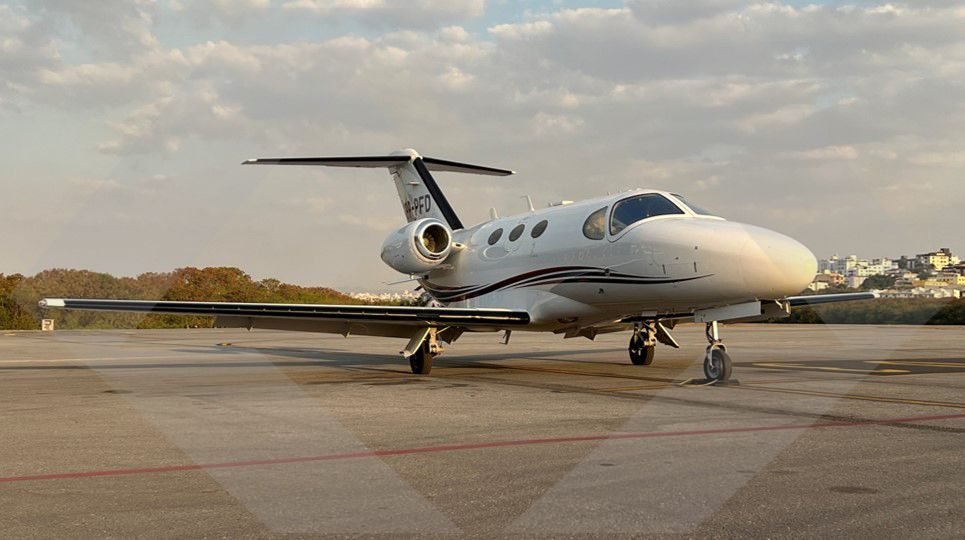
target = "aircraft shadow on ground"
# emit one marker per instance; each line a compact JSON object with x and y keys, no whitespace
{"x":310,"y":357}
{"x":321,"y":357}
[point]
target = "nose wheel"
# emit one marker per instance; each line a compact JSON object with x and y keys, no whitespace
{"x":643,"y":344}
{"x":420,"y":361}
{"x":717,"y":363}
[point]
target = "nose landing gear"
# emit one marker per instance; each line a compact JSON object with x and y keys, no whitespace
{"x":717,"y":363}
{"x":643,"y":343}
{"x":426,"y":348}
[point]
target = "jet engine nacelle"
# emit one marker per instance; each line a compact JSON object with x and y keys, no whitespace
{"x":418,"y":247}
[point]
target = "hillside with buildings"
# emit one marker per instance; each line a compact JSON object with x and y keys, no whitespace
{"x":935,"y":274}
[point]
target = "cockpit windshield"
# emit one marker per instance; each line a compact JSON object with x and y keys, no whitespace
{"x":634,"y":209}
{"x":696,"y":208}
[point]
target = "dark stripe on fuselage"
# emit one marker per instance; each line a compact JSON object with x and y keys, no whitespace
{"x":484,"y":289}
{"x":447,"y":212}
{"x":550,"y":276}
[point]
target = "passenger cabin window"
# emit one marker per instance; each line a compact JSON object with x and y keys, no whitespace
{"x":538,"y":229}
{"x":594,"y":227}
{"x":516,"y":232}
{"x":495,"y":236}
{"x":629,"y":211}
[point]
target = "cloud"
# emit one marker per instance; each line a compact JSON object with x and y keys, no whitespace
{"x":422,"y":14}
{"x":743,"y":103}
{"x":109,"y":29}
{"x":825,"y":153}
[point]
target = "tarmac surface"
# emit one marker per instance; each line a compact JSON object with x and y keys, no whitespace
{"x":827,"y":431}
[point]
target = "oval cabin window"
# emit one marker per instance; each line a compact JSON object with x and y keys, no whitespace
{"x":594,"y":227}
{"x":538,"y":229}
{"x":516,"y":232}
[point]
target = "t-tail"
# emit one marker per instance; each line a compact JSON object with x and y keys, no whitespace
{"x":418,"y":191}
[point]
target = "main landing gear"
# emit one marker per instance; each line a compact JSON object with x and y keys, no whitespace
{"x":643,"y":343}
{"x":426,"y":348}
{"x":717,"y":364}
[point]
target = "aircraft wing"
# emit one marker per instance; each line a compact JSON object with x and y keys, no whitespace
{"x":389,"y":321}
{"x":813,"y":299}
{"x":758,"y":310}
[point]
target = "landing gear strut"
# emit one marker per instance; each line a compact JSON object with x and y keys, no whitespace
{"x":717,"y":364}
{"x":643,"y":343}
{"x":420,"y":361}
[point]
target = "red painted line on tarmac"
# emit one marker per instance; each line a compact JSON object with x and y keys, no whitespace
{"x":464,"y":446}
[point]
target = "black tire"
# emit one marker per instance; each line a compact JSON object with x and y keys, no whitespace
{"x":640,"y":354}
{"x":717,"y":365}
{"x":421,"y":361}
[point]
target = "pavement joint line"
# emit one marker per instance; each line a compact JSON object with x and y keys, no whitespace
{"x":467,"y":446}
{"x":82,"y":360}
{"x":882,"y":399}
{"x":566,"y":372}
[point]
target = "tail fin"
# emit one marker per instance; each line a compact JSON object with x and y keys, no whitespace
{"x":418,"y":191}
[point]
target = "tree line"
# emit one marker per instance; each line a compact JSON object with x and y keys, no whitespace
{"x":883,"y":311}
{"x":19,"y":296}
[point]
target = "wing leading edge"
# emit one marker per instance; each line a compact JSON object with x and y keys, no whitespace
{"x":333,"y":318}
{"x":813,"y":299}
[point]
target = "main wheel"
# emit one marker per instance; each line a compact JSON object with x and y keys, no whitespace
{"x":717,"y":365}
{"x":640,"y":354}
{"x":421,"y":360}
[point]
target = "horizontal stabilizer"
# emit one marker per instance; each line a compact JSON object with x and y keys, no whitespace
{"x":433,"y":164}
{"x":356,"y":161}
{"x":813,"y":299}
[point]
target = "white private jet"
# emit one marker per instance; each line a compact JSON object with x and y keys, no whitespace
{"x":642,"y":260}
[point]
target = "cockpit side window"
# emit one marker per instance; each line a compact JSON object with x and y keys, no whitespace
{"x":594,"y":227}
{"x":629,"y":211}
{"x":699,"y":210}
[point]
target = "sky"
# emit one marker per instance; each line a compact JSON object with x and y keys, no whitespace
{"x":123,"y":122}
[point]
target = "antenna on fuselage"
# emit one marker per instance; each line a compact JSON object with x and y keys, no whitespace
{"x":529,"y":202}
{"x":492,"y":214}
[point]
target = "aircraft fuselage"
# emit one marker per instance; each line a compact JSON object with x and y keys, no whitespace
{"x":659,"y":265}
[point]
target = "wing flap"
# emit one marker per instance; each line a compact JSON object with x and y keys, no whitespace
{"x":413,"y":316}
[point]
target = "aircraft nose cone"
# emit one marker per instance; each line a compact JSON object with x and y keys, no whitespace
{"x":774,"y":265}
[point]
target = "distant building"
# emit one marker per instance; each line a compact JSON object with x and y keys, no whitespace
{"x":922,"y":292}
{"x":818,"y":286}
{"x":951,"y":279}
{"x":936,"y":259}
{"x":404,"y":297}
{"x":852,"y":268}
{"x":957,"y":268}
{"x":906,"y":279}
{"x":826,"y":280}
{"x":854,"y":281}
{"x":940,"y":269}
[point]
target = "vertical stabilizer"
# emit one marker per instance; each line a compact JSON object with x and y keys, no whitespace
{"x":419,"y":193}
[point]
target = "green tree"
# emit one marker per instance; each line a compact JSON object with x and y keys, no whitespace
{"x":878,"y":281}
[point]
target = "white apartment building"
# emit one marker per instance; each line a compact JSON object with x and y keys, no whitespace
{"x":853,"y":267}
